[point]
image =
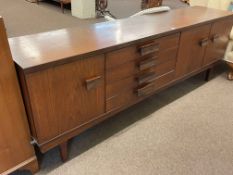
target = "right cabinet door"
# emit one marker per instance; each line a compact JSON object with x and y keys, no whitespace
{"x":193,"y":44}
{"x":219,"y":37}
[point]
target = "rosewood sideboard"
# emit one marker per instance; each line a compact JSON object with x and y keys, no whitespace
{"x":75,"y":78}
{"x":16,"y":151}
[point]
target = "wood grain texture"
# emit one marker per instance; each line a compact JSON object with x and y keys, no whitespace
{"x":191,"y":53}
{"x":15,"y":147}
{"x":47,"y":49}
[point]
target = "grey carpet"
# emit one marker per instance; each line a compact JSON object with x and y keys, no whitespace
{"x":184,"y":130}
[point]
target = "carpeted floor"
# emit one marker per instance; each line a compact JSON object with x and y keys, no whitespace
{"x":184,"y":130}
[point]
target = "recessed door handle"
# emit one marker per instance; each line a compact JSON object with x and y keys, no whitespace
{"x":204,"y":42}
{"x":215,"y":38}
{"x":148,"y":49}
{"x":92,"y":83}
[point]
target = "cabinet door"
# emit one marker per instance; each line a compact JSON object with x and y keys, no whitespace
{"x":15,"y":148}
{"x":192,"y":48}
{"x":219,"y":38}
{"x":66,"y":97}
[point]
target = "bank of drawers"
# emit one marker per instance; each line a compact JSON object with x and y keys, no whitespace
{"x":137,"y":71}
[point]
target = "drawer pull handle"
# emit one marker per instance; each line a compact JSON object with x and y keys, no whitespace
{"x":92,"y":83}
{"x":149,"y":77}
{"x":149,"y":49}
{"x":147,"y":64}
{"x":146,"y":90}
{"x":215,"y":38}
{"x":204,"y":42}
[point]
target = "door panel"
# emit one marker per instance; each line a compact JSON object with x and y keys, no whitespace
{"x":219,"y":38}
{"x":66,"y":96}
{"x":192,"y":48}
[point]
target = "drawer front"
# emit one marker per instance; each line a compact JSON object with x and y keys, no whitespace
{"x":163,"y":62}
{"x":115,"y":88}
{"x":159,"y":45}
{"x":121,"y":56}
{"x":153,"y":47}
{"x":157,"y":83}
{"x":164,"y":80}
{"x":121,"y":100}
{"x":121,"y":72}
{"x":132,"y":72}
{"x":66,"y":96}
{"x":151,"y":74}
{"x":165,"y":67}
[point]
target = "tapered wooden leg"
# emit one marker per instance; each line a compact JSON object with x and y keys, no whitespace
{"x":64,"y":151}
{"x":208,"y":74}
{"x":32,"y":166}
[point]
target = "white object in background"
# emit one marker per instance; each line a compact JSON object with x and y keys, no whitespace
{"x":83,"y":9}
{"x":152,"y":10}
{"x":199,"y":2}
{"x":217,"y":4}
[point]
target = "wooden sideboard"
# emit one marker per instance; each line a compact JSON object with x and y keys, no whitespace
{"x":16,"y":151}
{"x":74,"y":78}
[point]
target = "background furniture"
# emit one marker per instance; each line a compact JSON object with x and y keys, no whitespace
{"x":16,"y":152}
{"x":62,"y":3}
{"x":151,"y":3}
{"x":69,"y":89}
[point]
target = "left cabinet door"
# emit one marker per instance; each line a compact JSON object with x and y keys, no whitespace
{"x":15,"y":149}
{"x":66,"y":97}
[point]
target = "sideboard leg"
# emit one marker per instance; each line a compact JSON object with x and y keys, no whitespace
{"x":33,"y":166}
{"x":208,"y":74}
{"x":64,"y":151}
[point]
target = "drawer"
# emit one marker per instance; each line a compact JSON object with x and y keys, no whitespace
{"x":156,"y":59}
{"x":159,"y":82}
{"x":127,"y":76}
{"x":121,"y":56}
{"x":165,"y":67}
{"x":152,"y":73}
{"x":169,"y":54}
{"x":158,"y":45}
{"x":121,"y":100}
{"x":128,"y":90}
{"x":168,"y":43}
{"x":164,"y":80}
{"x":120,"y":86}
{"x":118,"y":73}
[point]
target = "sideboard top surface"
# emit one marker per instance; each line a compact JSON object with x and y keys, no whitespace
{"x":42,"y":50}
